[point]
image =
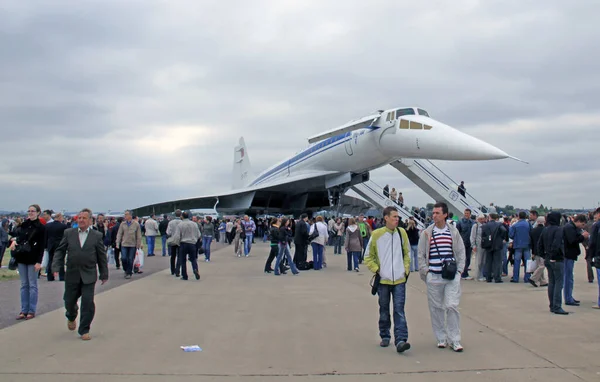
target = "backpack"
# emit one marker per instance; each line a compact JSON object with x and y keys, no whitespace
{"x":363,"y":229}
{"x":487,"y":241}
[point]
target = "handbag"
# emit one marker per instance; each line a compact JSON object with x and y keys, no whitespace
{"x":449,"y":267}
{"x":12,"y":264}
{"x":25,"y":247}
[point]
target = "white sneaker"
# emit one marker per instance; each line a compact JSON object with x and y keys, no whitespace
{"x":442,"y":344}
{"x":457,"y":347}
{"x":467,"y":278}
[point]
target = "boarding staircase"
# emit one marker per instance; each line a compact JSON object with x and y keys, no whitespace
{"x":374,"y":194}
{"x":429,"y":178}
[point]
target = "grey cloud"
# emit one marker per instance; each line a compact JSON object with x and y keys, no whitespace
{"x":81,"y":75}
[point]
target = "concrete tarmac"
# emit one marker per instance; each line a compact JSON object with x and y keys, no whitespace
{"x":318,"y":326}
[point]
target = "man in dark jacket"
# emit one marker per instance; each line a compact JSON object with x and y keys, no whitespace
{"x":550,"y":247}
{"x":496,"y":235}
{"x":573,"y":236}
{"x":301,"y":240}
{"x":462,"y":189}
{"x":162,"y":229}
{"x":464,"y":228}
{"x":54,"y":234}
{"x":113,"y":242}
{"x":538,"y":278}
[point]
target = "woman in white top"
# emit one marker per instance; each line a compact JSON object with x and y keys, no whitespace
{"x":318,"y":243}
{"x":394,"y":195}
{"x":338,"y":228}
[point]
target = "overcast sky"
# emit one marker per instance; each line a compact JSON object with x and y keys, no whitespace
{"x":118,"y":104}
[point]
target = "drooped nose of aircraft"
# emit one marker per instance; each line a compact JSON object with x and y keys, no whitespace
{"x":452,"y":144}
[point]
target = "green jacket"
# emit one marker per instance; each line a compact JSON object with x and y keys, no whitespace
{"x":385,"y":254}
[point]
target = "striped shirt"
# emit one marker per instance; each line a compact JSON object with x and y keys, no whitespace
{"x":441,"y":252}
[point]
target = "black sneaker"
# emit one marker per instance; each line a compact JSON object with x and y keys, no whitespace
{"x":385,"y":343}
{"x":402,"y":347}
{"x":562,"y":312}
{"x":197,"y":274}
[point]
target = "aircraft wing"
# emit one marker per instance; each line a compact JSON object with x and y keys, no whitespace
{"x":295,"y":193}
{"x":348,"y":127}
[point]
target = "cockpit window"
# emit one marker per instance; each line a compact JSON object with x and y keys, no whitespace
{"x":401,"y":112}
{"x":423,"y":112}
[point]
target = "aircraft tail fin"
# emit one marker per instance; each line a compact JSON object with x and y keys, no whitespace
{"x":242,"y":170}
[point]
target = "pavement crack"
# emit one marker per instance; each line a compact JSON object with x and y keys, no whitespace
{"x":266,"y":375}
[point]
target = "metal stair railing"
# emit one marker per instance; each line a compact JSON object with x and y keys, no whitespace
{"x":373,"y":187}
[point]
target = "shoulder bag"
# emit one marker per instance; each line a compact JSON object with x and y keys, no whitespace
{"x":449,"y":267}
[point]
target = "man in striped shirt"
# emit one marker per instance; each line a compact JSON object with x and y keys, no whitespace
{"x":438,"y":243}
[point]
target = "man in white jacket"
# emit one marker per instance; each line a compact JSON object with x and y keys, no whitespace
{"x":151,"y":233}
{"x":441,"y":243}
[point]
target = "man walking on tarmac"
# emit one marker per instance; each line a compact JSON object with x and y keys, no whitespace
{"x":365,"y":233}
{"x":388,"y":256}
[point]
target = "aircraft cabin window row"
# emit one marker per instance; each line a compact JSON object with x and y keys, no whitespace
{"x":404,"y":124}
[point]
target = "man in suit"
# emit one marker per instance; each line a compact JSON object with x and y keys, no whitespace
{"x":497,"y":234}
{"x":87,"y":255}
{"x":54,"y":234}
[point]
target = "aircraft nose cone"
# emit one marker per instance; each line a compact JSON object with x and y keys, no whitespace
{"x":462,"y":146}
{"x":480,"y":150}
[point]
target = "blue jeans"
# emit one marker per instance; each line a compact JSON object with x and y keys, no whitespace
{"x":568,"y":281}
{"x":29,"y":288}
{"x":248,"y":244}
{"x":398,"y":297}
{"x":353,"y":256}
{"x":414,"y":258}
{"x":317,"y":250}
{"x":164,"y":245}
{"x":337,"y":245}
{"x":555,"y":284}
{"x":365,"y":243}
{"x":284,"y":250}
{"x":206,"y":240}
{"x":469,"y":253}
{"x":521,"y":253}
{"x":127,"y":257}
{"x":150,"y":241}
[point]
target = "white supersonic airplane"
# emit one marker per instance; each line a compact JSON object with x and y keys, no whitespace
{"x":317,"y":177}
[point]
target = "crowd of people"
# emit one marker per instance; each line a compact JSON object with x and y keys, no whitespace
{"x":389,"y":247}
